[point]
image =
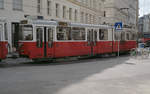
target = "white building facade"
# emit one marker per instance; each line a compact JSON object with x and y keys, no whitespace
{"x":60,"y":10}
{"x":79,"y":11}
{"x":144,"y":24}
{"x":125,"y":11}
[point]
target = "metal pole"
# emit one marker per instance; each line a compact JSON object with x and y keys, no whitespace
{"x":118,"y":47}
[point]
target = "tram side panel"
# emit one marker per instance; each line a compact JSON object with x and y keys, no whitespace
{"x":64,"y":49}
{"x":127,"y":41}
{"x":71,"y":43}
{"x":3,"y":50}
{"x":105,"y":41}
{"x":3,"y":40}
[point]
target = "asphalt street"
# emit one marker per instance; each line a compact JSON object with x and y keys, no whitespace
{"x":123,"y":75}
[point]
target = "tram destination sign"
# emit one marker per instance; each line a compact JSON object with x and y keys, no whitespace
{"x":63,"y":24}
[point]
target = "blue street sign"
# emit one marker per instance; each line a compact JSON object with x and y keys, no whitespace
{"x":118,"y":26}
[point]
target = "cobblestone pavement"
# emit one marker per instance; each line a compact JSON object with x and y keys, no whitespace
{"x":113,"y":75}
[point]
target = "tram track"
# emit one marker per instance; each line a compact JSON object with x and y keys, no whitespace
{"x":63,"y":61}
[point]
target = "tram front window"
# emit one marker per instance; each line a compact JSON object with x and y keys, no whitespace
{"x":26,"y":33}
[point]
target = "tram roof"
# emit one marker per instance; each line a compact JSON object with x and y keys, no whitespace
{"x":90,"y":25}
{"x":48,"y":22}
{"x":44,"y":22}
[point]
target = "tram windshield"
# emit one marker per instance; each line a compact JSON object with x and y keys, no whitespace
{"x":26,"y":32}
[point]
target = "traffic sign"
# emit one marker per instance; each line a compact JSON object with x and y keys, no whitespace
{"x":118,"y":26}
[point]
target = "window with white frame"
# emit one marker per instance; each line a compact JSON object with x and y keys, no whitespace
{"x":70,"y":13}
{"x":39,"y":6}
{"x":49,"y":7}
{"x":64,"y":11}
{"x":86,"y":17}
{"x":76,"y":15}
{"x":1,"y":4}
{"x":57,"y":10}
{"x":82,"y":17}
{"x":18,"y":5}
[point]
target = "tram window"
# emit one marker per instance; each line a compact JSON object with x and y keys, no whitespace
{"x":95,"y":35}
{"x":50,"y":34}
{"x":63,"y":33}
{"x":50,"y":37}
{"x":78,"y":33}
{"x":135,"y":36}
{"x":117,"y":36}
{"x":6,"y":32}
{"x":39,"y":37}
{"x":103,"y":34}
{"x":26,"y":32}
{"x":127,"y":36}
{"x":123,"y":36}
{"x":89,"y":35}
{"x":132,"y":36}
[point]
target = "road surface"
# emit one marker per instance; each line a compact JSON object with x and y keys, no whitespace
{"x":92,"y":76}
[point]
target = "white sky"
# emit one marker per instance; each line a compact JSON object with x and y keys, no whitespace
{"x":144,"y":7}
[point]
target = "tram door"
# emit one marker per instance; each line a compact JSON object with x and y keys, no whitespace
{"x":48,"y":42}
{"x":44,"y":37}
{"x":92,"y":41}
{"x":15,"y":35}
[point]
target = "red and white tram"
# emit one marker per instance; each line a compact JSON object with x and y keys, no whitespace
{"x":3,"y":39}
{"x":51,"y":39}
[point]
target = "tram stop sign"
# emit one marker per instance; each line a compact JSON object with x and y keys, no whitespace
{"x":118,"y":26}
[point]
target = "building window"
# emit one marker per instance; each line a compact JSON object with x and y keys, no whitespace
{"x":57,"y":10}
{"x":1,"y":4}
{"x":76,"y":15}
{"x":86,"y":17}
{"x":39,"y":6}
{"x":82,"y":17}
{"x":49,"y":7}
{"x":104,"y":13}
{"x":90,"y":19}
{"x":18,"y":5}
{"x":70,"y":13}
{"x":64,"y":11}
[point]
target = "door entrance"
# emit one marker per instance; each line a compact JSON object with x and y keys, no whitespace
{"x":44,"y":41}
{"x":15,"y":36}
{"x":92,"y":40}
